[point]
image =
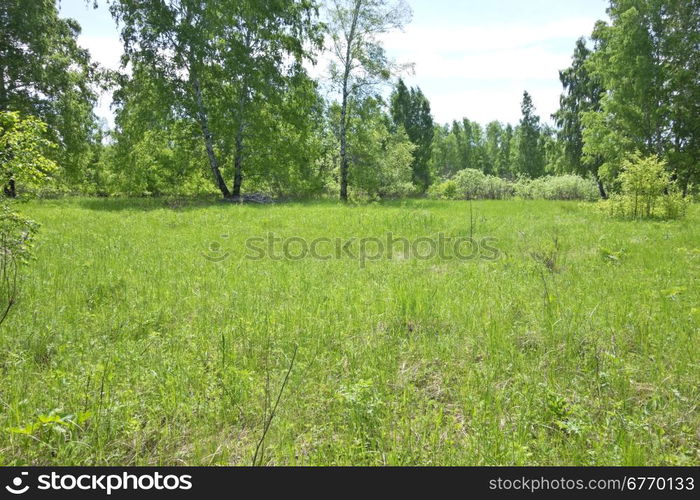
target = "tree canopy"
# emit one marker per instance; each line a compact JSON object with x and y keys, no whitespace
{"x":217,"y":97}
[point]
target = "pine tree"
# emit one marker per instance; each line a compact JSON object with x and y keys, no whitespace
{"x":582,"y":93}
{"x":529,"y":156}
{"x":410,"y":109}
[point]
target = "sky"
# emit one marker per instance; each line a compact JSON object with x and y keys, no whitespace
{"x":472,"y":58}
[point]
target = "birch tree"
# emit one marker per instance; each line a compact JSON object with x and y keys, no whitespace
{"x":359,"y":60}
{"x":218,"y":58}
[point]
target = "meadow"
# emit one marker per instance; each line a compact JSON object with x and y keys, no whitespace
{"x":144,"y":336}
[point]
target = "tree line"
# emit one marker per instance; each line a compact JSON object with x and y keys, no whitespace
{"x":216,"y":96}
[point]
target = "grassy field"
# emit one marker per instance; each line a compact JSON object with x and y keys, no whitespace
{"x":134,"y":343}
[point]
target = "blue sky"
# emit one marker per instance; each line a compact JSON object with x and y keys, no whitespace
{"x":473,"y":58}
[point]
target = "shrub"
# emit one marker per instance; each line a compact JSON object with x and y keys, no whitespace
{"x":562,"y":187}
{"x":471,"y":184}
{"x":23,"y":152}
{"x":16,"y":235}
{"x":474,"y":184}
{"x":495,"y":188}
{"x":446,"y":190}
{"x":647,"y":191}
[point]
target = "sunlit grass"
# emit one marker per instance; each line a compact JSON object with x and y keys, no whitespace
{"x":579,"y":345}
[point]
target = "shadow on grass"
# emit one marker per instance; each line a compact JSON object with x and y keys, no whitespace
{"x":180,"y":203}
{"x":185,"y":203}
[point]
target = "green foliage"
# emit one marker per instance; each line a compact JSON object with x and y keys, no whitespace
{"x":241,"y":58}
{"x":410,"y":110}
{"x":446,"y":190}
{"x":529,"y":149}
{"x":355,"y":28}
{"x":359,"y":63}
{"x":162,"y":162}
{"x":286,"y":141}
{"x":22,"y":162}
{"x":557,"y":187}
{"x":529,"y":156}
{"x":466,"y":144}
{"x":497,"y":149}
{"x":16,"y":238}
{"x":471,"y":184}
{"x":45,"y":73}
{"x":154,"y":150}
{"x":647,"y":191}
{"x":24,"y":151}
{"x":444,"y":161}
{"x":582,"y":93}
{"x":644,"y":59}
{"x":17,"y":234}
{"x":380,"y":160}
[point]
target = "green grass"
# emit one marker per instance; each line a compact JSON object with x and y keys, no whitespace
{"x":578,"y":346}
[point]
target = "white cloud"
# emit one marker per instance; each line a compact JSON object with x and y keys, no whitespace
{"x":480,"y":38}
{"x":505,"y":65}
{"x":476,"y":71}
{"x":481,"y":71}
{"x":484,"y":105}
{"x":106,"y":50}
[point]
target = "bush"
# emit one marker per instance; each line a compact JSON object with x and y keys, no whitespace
{"x":474,"y":184}
{"x":446,"y":190}
{"x":471,"y":184}
{"x":24,"y":163}
{"x":562,"y":187}
{"x":647,"y":191}
{"x":495,"y":188}
{"x":16,"y":235}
